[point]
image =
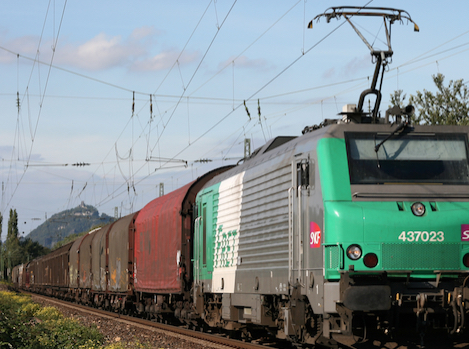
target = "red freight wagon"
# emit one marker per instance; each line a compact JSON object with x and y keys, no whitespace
{"x":163,"y":240}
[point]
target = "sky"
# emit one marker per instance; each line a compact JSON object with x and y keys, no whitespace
{"x":102,"y":101}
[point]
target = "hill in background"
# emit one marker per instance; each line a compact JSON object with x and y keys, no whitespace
{"x":74,"y":221}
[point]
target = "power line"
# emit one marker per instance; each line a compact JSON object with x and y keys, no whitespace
{"x":196,"y":70}
{"x":41,"y":104}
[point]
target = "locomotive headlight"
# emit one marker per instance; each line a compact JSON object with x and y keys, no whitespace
{"x":354,"y":252}
{"x":418,"y":209}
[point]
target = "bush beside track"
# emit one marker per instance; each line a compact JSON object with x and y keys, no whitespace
{"x":25,"y":324}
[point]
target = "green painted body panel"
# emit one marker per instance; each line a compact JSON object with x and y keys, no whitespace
{"x":207,"y":203}
{"x":401,"y":240}
{"x":333,"y":170}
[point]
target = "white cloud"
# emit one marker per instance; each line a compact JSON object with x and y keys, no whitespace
{"x":101,"y":52}
{"x":144,"y":32}
{"x":25,"y":45}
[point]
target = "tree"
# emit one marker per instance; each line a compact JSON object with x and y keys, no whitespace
{"x":448,"y":106}
{"x":13,"y":254}
{"x":397,"y":99}
{"x":31,"y":249}
{"x":16,"y":250}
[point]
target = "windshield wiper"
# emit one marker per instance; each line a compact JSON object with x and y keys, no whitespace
{"x":400,"y":127}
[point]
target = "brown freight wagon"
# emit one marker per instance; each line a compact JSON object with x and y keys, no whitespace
{"x":54,"y":270}
{"x":163,"y":248}
{"x":26,"y":277}
{"x":80,"y":267}
{"x":98,"y":260}
{"x":35,"y":275}
{"x":120,"y":262}
{"x":17,"y":275}
{"x":121,"y":254}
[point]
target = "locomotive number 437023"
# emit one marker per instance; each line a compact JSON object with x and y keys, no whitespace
{"x":424,"y":236}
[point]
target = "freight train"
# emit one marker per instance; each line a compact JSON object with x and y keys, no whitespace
{"x":358,"y":226}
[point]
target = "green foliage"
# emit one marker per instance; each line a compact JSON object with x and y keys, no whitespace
{"x":32,"y":249}
{"x":12,"y":253}
{"x":27,"y":325}
{"x":69,"y":238}
{"x":24,"y":324}
{"x":16,"y":250}
{"x":397,"y":99}
{"x":448,"y":106}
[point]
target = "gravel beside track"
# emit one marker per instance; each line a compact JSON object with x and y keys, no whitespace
{"x":115,"y":330}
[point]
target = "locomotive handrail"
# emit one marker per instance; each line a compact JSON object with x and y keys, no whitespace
{"x":300,"y":229}
{"x":291,"y":237}
{"x":196,"y":251}
{"x":290,"y":234}
{"x":410,"y":195}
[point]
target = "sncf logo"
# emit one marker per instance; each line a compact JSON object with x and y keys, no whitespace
{"x":314,"y":235}
{"x":464,"y":232}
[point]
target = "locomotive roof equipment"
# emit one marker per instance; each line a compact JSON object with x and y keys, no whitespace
{"x":381,"y":57}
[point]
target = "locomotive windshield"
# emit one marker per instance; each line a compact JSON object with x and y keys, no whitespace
{"x":408,"y":158}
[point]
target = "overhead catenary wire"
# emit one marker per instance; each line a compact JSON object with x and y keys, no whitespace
{"x":192,"y":100}
{"x":197,"y":68}
{"x":187,"y":42}
{"x":252,"y":95}
{"x":41,"y":103}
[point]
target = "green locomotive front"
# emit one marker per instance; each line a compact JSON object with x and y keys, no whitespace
{"x":396,"y":225}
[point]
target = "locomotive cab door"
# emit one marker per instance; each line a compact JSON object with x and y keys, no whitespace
{"x":203,"y":242}
{"x":298,"y":219}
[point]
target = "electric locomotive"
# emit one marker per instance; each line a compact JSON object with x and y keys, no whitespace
{"x":355,"y":226}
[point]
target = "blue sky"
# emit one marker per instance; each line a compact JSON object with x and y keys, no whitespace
{"x":75,"y":66}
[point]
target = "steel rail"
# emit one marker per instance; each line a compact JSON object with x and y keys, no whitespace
{"x":181,"y":330}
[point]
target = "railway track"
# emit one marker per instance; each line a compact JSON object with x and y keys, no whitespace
{"x":189,"y":334}
{"x":220,"y":341}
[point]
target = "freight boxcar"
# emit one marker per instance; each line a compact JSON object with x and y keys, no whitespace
{"x":163,"y":250}
{"x":17,"y":275}
{"x":98,"y":265}
{"x":120,"y":262}
{"x":80,"y":267}
{"x":54,"y":268}
{"x":34,"y":275}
